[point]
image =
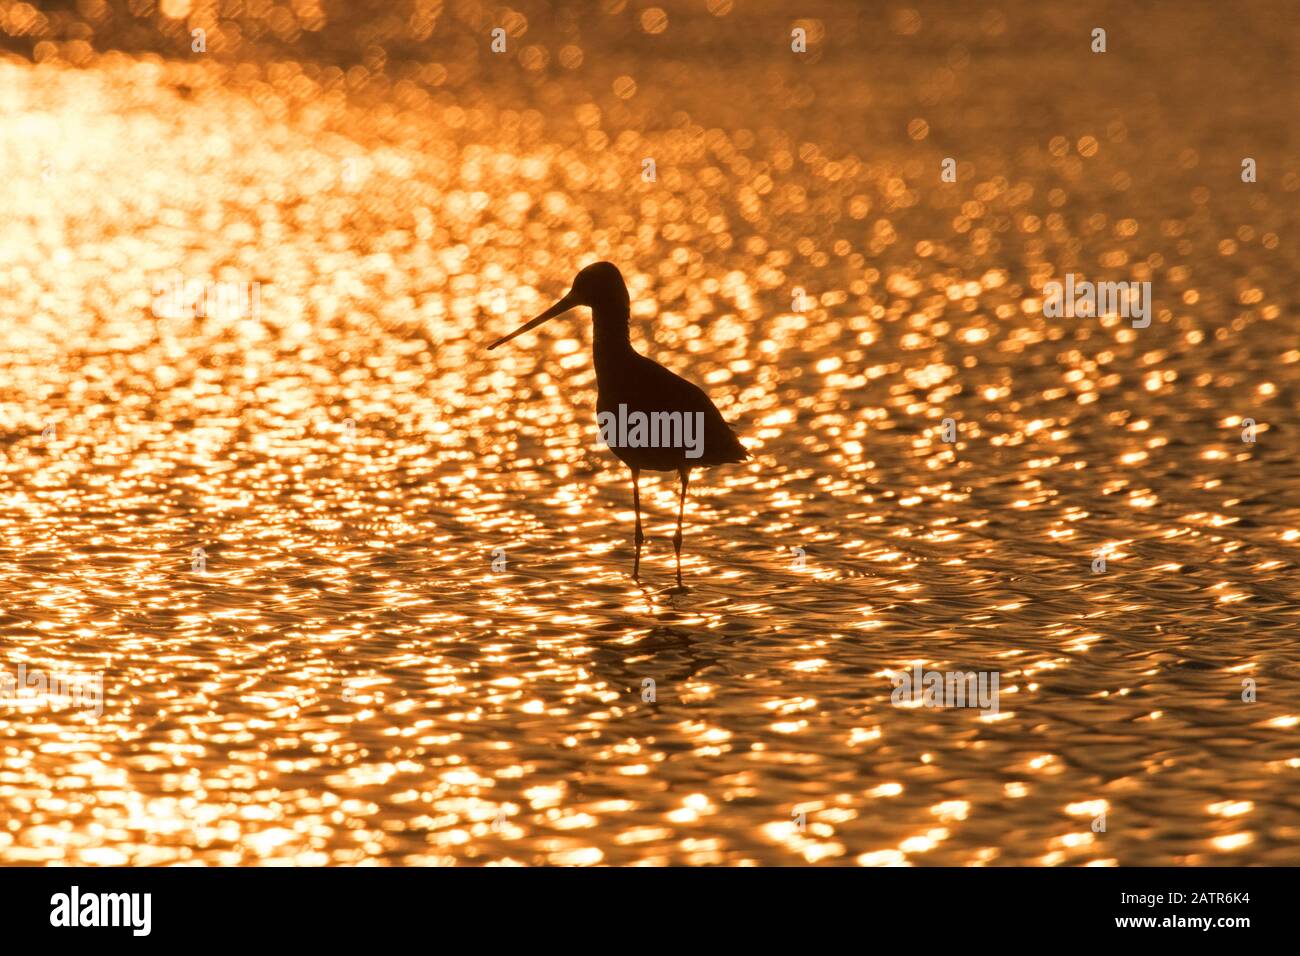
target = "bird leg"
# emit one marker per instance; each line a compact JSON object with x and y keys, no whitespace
{"x":681,"y":506}
{"x":636,"y":502}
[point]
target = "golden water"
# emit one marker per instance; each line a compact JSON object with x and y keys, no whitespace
{"x":343,"y":676}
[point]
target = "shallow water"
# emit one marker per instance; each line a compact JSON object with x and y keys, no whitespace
{"x":341,"y":674}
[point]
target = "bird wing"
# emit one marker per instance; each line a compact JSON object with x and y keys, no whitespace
{"x":662,"y":390}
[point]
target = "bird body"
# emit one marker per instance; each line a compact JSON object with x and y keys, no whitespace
{"x":632,"y":383}
{"x":631,"y":387}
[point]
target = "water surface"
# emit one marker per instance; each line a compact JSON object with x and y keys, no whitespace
{"x":342,"y":676}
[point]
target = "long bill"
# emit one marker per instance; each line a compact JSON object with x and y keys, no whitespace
{"x":564,"y":305}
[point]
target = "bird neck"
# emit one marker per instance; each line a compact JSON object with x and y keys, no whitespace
{"x":611,"y":339}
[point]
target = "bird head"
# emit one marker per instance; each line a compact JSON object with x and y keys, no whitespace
{"x":598,"y":286}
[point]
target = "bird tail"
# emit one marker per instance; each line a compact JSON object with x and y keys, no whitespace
{"x":737,"y":451}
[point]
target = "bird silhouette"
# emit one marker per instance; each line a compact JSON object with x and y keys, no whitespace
{"x":628,"y":384}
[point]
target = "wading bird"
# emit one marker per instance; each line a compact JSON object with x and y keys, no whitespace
{"x":631,"y":387}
